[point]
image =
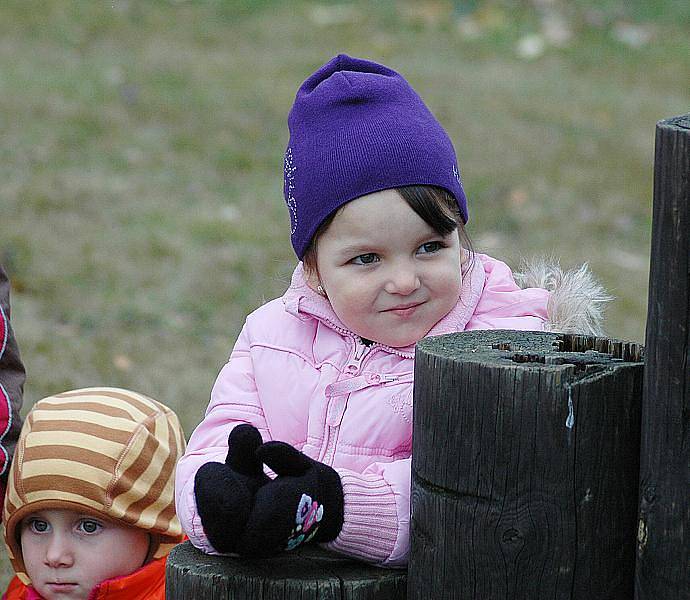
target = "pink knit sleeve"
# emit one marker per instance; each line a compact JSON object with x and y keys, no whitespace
{"x":377,"y":514}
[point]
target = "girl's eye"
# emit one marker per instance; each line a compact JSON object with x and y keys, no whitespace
{"x":430,"y":247}
{"x":89,"y":526}
{"x":365,"y":259}
{"x":38,"y":526}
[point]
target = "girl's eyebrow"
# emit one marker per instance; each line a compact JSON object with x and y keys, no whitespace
{"x":356,"y":249}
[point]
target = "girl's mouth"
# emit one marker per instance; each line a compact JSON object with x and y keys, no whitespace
{"x":404,"y":310}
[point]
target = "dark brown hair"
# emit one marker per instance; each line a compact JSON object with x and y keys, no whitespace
{"x":434,"y":205}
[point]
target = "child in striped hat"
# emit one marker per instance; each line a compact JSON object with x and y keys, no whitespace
{"x":89,"y":510}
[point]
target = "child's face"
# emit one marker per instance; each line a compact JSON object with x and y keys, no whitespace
{"x":67,"y":553}
{"x":388,"y":275}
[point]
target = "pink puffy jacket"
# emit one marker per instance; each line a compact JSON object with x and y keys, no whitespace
{"x":300,"y":376}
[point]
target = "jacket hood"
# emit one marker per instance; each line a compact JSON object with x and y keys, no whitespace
{"x":577,"y":299}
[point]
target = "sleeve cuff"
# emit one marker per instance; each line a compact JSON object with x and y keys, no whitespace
{"x":370,"y":526}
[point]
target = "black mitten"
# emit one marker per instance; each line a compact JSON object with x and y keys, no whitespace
{"x":303,"y":503}
{"x":225,"y":492}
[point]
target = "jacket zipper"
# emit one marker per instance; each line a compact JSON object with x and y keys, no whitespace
{"x":352,"y":368}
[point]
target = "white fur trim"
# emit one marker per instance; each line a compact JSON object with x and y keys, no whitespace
{"x":577,"y":298}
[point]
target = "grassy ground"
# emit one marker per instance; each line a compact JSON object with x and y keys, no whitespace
{"x":141,"y":166}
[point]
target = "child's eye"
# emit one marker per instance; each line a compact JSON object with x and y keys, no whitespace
{"x":430,"y":247}
{"x":365,"y":259}
{"x":89,"y":526}
{"x":38,"y":526}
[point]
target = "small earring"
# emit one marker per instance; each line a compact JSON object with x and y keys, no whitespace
{"x":320,"y":290}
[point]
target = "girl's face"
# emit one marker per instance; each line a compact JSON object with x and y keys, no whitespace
{"x":66,"y":553}
{"x":388,"y":275}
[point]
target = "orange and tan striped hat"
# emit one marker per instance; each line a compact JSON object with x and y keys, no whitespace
{"x":104,"y":451}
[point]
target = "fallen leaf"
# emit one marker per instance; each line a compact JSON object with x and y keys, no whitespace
{"x":531,"y":46}
{"x":632,"y":35}
{"x":122,"y":362}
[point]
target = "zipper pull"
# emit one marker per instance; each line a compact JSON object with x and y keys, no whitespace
{"x":355,"y":363}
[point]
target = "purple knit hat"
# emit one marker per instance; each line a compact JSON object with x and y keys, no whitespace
{"x":358,"y":127}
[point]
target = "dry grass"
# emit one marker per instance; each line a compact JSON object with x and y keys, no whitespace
{"x":141,"y":172}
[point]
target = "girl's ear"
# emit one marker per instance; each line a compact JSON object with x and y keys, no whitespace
{"x":313,"y":280}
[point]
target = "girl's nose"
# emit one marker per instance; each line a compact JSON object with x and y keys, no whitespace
{"x":403,"y":280}
{"x":59,"y":553}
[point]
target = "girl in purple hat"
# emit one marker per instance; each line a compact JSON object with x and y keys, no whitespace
{"x":318,"y":388}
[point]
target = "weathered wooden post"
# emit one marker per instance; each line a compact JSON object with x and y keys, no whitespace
{"x":525,"y":467}
{"x":663,"y":543}
{"x":307,"y":573}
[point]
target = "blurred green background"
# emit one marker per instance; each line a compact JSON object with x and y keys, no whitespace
{"x":142,"y":142}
